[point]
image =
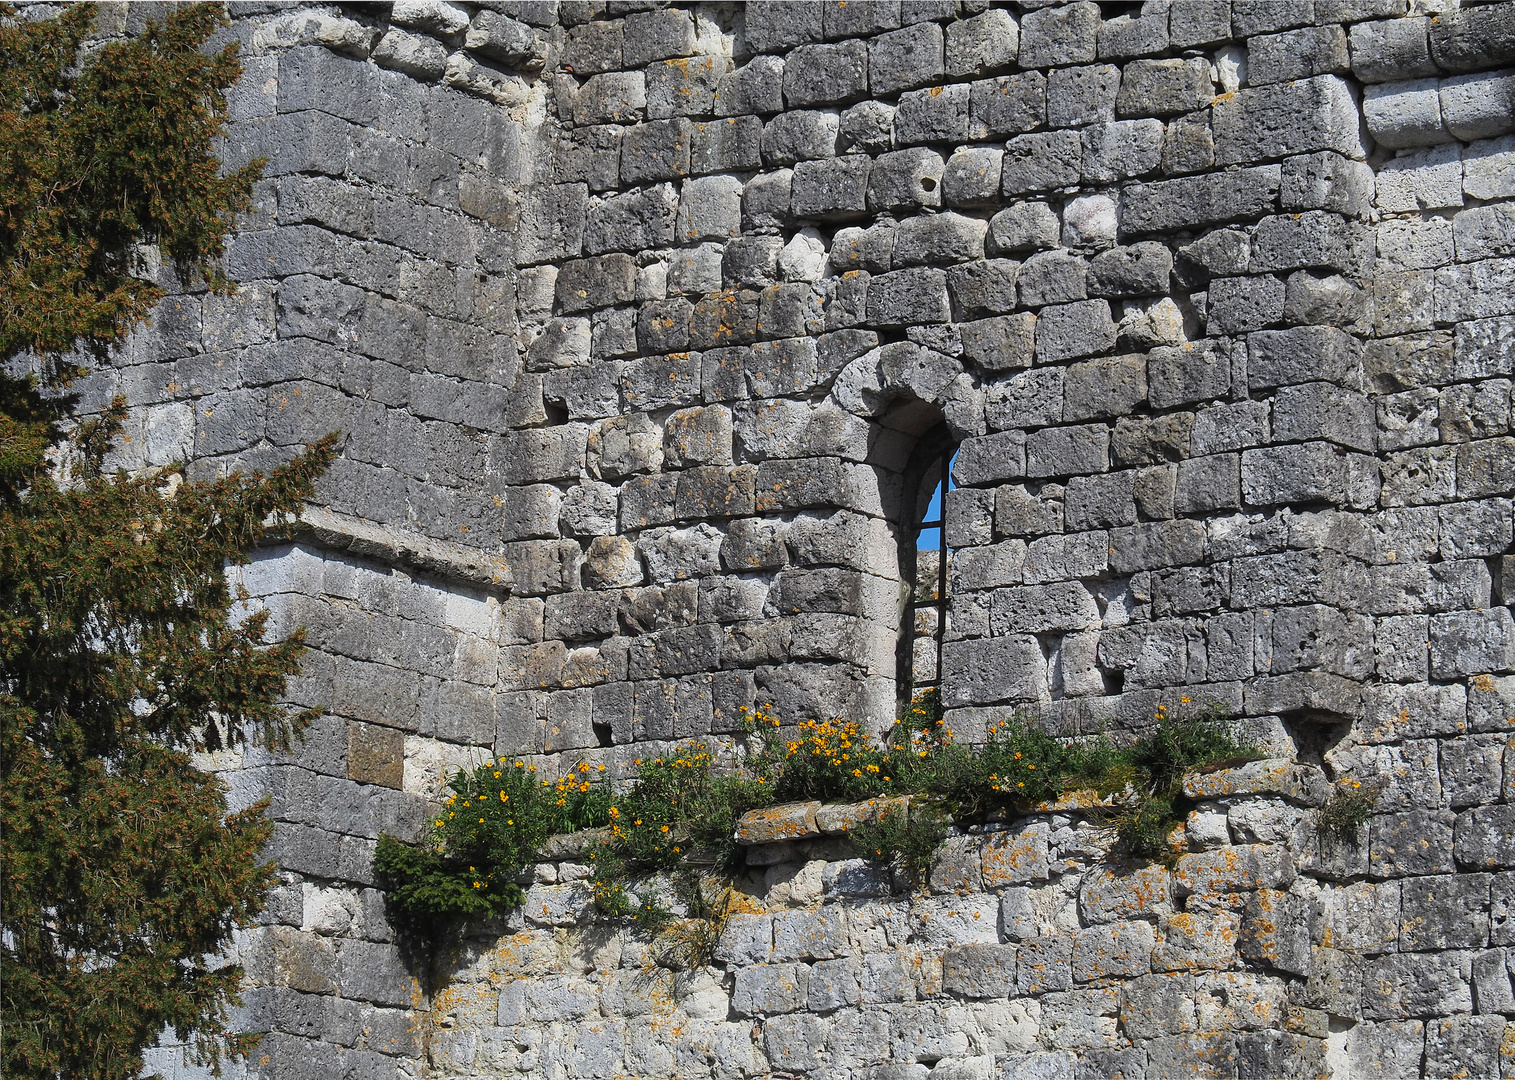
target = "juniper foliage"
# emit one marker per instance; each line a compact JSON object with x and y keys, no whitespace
{"x":122,"y":872}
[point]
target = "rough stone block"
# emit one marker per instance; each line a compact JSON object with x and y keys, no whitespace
{"x":1043,"y":161}
{"x":774,"y":26}
{"x":800,"y":135}
{"x":832,"y":188}
{"x":1189,"y":202}
{"x":1391,"y":49}
{"x":1246,"y":866}
{"x":1003,"y":669}
{"x":1195,"y":942}
{"x":972,"y":177}
{"x":1058,"y":36}
{"x":1292,"y":118}
{"x":905,"y":179}
{"x":1082,"y":95}
{"x":979,"y":971}
{"x":1007,"y":105}
{"x":1157,"y":1006}
{"x":1470,"y":40}
{"x":1068,"y":331}
{"x":905,"y":59}
{"x":984,"y":43}
{"x":908,"y":298}
{"x":1112,"y":386}
{"x":1044,"y":965}
{"x":1021,"y":227}
{"x":1012,"y":857}
{"x":770,"y":989}
{"x":1297,"y":54}
{"x":825,"y":74}
{"x":1121,"y":149}
{"x":938,"y":239}
{"x":1112,"y":949}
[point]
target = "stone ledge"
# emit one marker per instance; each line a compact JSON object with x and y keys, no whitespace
{"x":339,"y":532}
{"x":1304,"y":785}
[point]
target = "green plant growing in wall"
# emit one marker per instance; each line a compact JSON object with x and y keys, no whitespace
{"x":903,"y":839}
{"x":1153,"y":769}
{"x":673,"y":826}
{"x":1347,"y":808}
{"x":486,"y":833}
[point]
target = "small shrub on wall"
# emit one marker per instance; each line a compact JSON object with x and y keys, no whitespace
{"x":486,"y":833}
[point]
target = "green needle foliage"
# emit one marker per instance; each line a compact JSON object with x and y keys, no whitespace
{"x":121,"y":871}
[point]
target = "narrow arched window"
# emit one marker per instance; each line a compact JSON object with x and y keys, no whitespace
{"x":925,"y":562}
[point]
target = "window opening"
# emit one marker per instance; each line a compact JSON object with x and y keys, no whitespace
{"x":929,"y":590}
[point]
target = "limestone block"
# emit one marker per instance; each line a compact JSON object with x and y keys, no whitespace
{"x":1120,"y":948}
{"x":1044,"y":964}
{"x":810,"y":934}
{"x":769,"y":989}
{"x":656,"y":35}
{"x":986,"y":42}
{"x":1486,"y":168}
{"x":1059,"y":36}
{"x":1083,"y":95}
{"x":1410,"y":984}
{"x":1007,"y":105}
{"x":1297,"y":54}
{"x":1420,"y":842}
{"x":1392,"y":49}
{"x":1468,"y":41}
{"x":1159,"y":88}
{"x":1251,"y":866}
{"x":790,"y":821}
{"x":1298,"y":117}
{"x":1388,"y":1049}
{"x":1478,"y":106}
{"x":906,"y":58}
{"x":979,"y":971}
{"x":825,"y":74}
{"x":1301,"y":784}
{"x":779,"y":25}
{"x":1015,"y":856}
{"x":1121,"y":149}
{"x":1189,"y":202}
{"x":1158,"y":1005}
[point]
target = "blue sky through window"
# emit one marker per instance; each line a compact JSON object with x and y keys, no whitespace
{"x":930,"y":536}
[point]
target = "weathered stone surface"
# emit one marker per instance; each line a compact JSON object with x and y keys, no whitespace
{"x":1255,"y":866}
{"x":1303,"y":784}
{"x":790,"y":821}
{"x":645,"y":326}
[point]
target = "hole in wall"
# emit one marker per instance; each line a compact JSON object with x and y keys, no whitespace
{"x":557,"y":415}
{"x":928,"y":184}
{"x":602,"y":734}
{"x":1114,"y":9}
{"x":1315,"y":735}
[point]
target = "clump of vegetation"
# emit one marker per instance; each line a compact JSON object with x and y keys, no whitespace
{"x":487,"y":833}
{"x":1153,"y":769}
{"x":681,"y":809}
{"x":1347,"y":809}
{"x":674,"y":826}
{"x":902,"y":839}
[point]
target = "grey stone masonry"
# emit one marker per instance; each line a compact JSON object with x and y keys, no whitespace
{"x":644,"y":324}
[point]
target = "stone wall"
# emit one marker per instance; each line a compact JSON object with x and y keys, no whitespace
{"x":645,"y":324}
